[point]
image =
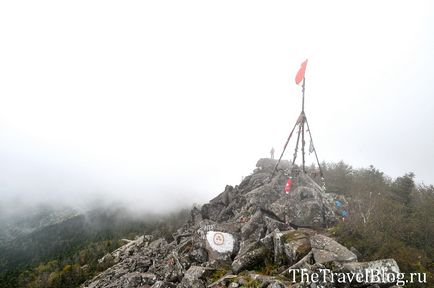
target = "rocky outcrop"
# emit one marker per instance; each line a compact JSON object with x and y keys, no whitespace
{"x":251,"y":235}
{"x":307,"y":205}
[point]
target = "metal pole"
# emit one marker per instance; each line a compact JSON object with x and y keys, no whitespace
{"x":283,"y":151}
{"x":302,"y":104}
{"x":302,"y":125}
{"x":303,"y":143}
{"x":296,"y":145}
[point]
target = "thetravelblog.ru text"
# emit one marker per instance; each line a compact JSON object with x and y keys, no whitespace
{"x":372,"y":276}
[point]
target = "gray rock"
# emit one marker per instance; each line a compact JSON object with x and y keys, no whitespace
{"x":249,"y":258}
{"x":356,"y":252}
{"x":224,"y":197}
{"x":327,"y":250}
{"x":255,"y":228}
{"x":196,"y":216}
{"x":267,"y":281}
{"x":385,"y":267}
{"x":216,"y":252}
{"x":240,"y":229}
{"x":162,"y":284}
{"x":296,"y":245}
{"x":212,"y":211}
{"x":307,"y":205}
{"x":195,"y":277}
{"x":199,"y":255}
{"x":157,"y":243}
{"x":269,"y":164}
{"x":263,"y":196}
{"x":272,"y":224}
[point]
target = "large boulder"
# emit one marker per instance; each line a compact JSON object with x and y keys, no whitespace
{"x":250,"y":256}
{"x":295,"y":245}
{"x":268,"y":164}
{"x":216,"y":209}
{"x":220,"y":245}
{"x":382,"y":272}
{"x":327,"y":250}
{"x":255,"y":228}
{"x":263,"y":196}
{"x":195,"y":277}
{"x":307,"y":205}
{"x":216,"y":242}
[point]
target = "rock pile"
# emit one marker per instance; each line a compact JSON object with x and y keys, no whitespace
{"x":251,"y":235}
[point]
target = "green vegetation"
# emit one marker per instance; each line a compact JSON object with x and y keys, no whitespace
{"x":66,"y":254}
{"x":217,"y":274}
{"x":69,"y":272}
{"x":267,"y":268}
{"x":292,"y":235}
{"x":389,"y":218}
{"x":250,"y":282}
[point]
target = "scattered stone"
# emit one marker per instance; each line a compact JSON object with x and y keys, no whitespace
{"x":251,"y":228}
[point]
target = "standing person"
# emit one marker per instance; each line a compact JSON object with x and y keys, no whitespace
{"x":272,"y":152}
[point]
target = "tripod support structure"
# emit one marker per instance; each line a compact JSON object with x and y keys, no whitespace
{"x":301,"y":125}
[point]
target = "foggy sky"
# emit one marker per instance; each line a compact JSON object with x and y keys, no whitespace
{"x":162,"y":104}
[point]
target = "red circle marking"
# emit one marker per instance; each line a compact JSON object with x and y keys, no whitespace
{"x":219,"y":239}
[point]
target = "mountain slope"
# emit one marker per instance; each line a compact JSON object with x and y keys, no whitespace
{"x":251,"y":235}
{"x":16,"y":225}
{"x":77,"y":240}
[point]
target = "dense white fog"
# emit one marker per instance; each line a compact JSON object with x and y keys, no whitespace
{"x":161,"y":104}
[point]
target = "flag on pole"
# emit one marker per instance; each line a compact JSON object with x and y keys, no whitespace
{"x":300,"y":74}
{"x":311,"y":146}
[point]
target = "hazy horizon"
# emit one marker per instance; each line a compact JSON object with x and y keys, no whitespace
{"x":161,"y":104}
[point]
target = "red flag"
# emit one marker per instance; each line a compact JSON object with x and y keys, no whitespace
{"x":300,"y":74}
{"x":288,"y":185}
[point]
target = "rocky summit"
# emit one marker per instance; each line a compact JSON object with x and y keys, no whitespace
{"x":251,"y":235}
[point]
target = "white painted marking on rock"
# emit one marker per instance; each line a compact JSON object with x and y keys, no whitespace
{"x":220,"y":241}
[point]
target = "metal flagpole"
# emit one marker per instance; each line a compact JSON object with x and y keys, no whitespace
{"x":302,"y":104}
{"x":302,"y":144}
{"x":301,"y":121}
{"x":302,"y":126}
{"x":283,"y":151}
{"x":296,"y":144}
